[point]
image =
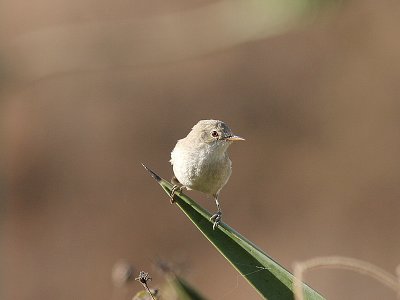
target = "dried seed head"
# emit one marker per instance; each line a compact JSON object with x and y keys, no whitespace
{"x":143,"y":277}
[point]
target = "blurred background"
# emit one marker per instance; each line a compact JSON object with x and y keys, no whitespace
{"x":90,"y":89}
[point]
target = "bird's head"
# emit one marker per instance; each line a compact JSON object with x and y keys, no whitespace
{"x":214,"y":132}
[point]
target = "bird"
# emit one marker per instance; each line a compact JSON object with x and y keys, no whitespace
{"x":200,"y":161}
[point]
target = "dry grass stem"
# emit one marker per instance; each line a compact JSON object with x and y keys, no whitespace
{"x":346,"y":263}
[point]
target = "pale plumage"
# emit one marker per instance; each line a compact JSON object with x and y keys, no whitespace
{"x":200,"y":160}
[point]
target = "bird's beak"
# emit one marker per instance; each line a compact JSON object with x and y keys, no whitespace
{"x":235,"y":138}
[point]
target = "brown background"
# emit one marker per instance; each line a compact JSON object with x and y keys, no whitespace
{"x":318,"y":174}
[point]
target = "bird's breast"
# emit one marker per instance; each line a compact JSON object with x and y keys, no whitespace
{"x":201,"y":169}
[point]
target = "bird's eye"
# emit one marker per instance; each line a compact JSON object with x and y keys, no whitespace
{"x":214,"y":133}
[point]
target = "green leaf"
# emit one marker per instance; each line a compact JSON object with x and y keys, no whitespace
{"x":144,"y":295}
{"x":183,"y":289}
{"x":270,"y":279}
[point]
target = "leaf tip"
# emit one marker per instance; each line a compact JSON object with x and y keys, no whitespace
{"x":154,"y":175}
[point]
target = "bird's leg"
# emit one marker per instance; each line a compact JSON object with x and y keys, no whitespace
{"x":175,"y":189}
{"x":216,"y":218}
{"x":178,"y":187}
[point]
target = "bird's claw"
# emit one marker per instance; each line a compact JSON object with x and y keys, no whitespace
{"x":175,"y":189}
{"x":216,"y":218}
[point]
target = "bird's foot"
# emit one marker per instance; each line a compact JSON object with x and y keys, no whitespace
{"x":175,"y":189}
{"x":216,"y":218}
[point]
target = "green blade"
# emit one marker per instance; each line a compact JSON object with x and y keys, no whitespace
{"x":183,"y":289}
{"x":270,"y":279}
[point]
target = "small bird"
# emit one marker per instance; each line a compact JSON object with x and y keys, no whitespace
{"x":200,"y":161}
